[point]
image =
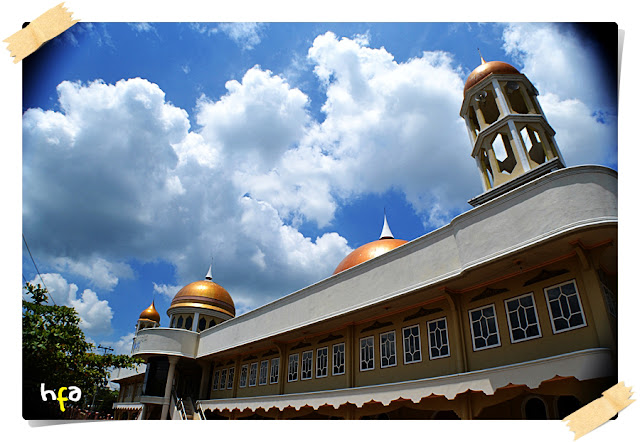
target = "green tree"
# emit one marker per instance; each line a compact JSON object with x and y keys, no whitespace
{"x":56,"y":353}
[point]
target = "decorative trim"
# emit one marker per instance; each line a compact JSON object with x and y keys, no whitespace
{"x":544,"y":275}
{"x":302,"y":344}
{"x":582,"y":365}
{"x":422,"y":312}
{"x":376,"y":325}
{"x":330,"y":338}
{"x":488,"y":293}
{"x":270,"y":353}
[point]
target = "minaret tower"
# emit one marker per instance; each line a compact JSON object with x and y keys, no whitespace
{"x":511,"y":138}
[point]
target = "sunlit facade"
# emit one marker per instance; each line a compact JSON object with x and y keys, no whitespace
{"x":507,"y":312}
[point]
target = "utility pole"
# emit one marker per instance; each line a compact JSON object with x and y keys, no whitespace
{"x":106,"y":349}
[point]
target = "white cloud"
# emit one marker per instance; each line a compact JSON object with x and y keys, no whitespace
{"x":256,"y":121}
{"x":95,"y":314}
{"x":138,"y":181}
{"x":245,"y":35}
{"x":100,"y":272}
{"x":166,"y":289}
{"x":394,"y":125}
{"x":572,"y":89}
{"x":122,"y":346}
{"x":142,"y":27}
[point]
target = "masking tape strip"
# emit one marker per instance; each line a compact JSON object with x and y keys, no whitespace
{"x":49,"y":25}
{"x":596,"y":413}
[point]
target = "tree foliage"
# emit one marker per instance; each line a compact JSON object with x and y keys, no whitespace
{"x":55,"y":352}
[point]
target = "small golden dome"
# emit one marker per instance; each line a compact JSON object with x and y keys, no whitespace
{"x":367,"y":252}
{"x":151,"y":313}
{"x":486,"y":69}
{"x":204,"y":294}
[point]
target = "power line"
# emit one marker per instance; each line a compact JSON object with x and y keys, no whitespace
{"x":34,"y":264}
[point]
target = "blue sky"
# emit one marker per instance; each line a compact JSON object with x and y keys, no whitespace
{"x":152,"y":149}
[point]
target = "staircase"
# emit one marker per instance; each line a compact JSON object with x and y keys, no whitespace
{"x":188,"y":408}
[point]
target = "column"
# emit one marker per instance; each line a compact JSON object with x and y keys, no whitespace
{"x":521,"y":153}
{"x":173,"y":360}
{"x":483,"y":174}
{"x":479,"y":115}
{"x":196,"y":318}
{"x":205,"y":367}
{"x":351,"y":353}
{"x":502,"y":102}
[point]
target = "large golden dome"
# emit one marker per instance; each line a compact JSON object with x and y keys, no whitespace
{"x":151,"y":313}
{"x":204,"y":294}
{"x":371,"y":250}
{"x":486,"y":69}
{"x":367,"y":252}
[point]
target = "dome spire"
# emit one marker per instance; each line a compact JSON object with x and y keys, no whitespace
{"x":386,"y":231}
{"x":209,"y":274}
{"x":481,"y":58}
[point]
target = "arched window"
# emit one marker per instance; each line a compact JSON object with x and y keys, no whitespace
{"x":179,"y":323}
{"x":535,"y":409}
{"x":202,"y":324}
{"x":188,"y":323}
{"x":212,"y":323}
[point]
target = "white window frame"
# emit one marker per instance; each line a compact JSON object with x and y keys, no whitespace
{"x":275,"y":371}
{"x":446,"y":333}
{"x":495,"y":316}
{"x":333,"y":357}
{"x":302,"y":365}
{"x":295,"y":359}
{"x":244,"y":376}
{"x":326,"y":362}
{"x":405,"y":347}
{"x":584,"y":316}
{"x":253,"y":369}
{"x":230,"y":376}
{"x":535,"y":312}
{"x":223,"y":379}
{"x":394,"y":350}
{"x":216,"y":380}
{"x":369,"y":340}
{"x":263,"y":364}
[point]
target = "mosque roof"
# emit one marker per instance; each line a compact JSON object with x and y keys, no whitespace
{"x":150,"y":313}
{"x":204,"y":294}
{"x":486,"y":69}
{"x":371,"y":250}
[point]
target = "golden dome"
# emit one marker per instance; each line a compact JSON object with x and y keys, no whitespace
{"x":486,"y":69}
{"x":371,"y":250}
{"x":205,"y":294}
{"x":151,"y":313}
{"x":367,"y":252}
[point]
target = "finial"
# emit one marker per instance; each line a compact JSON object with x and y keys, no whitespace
{"x":386,"y":231}
{"x":483,"y":62}
{"x":209,"y":275}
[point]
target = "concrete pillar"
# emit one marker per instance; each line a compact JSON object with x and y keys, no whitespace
{"x":196,"y":318}
{"x":351,"y":353}
{"x":501,"y":100}
{"x":523,"y":158}
{"x":205,"y":367}
{"x":173,"y":360}
{"x":479,"y":114}
{"x":486,"y":185}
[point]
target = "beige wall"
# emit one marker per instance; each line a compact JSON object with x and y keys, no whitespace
{"x":596,"y":333}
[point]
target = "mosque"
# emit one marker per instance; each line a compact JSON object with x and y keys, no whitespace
{"x":507,"y":312}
